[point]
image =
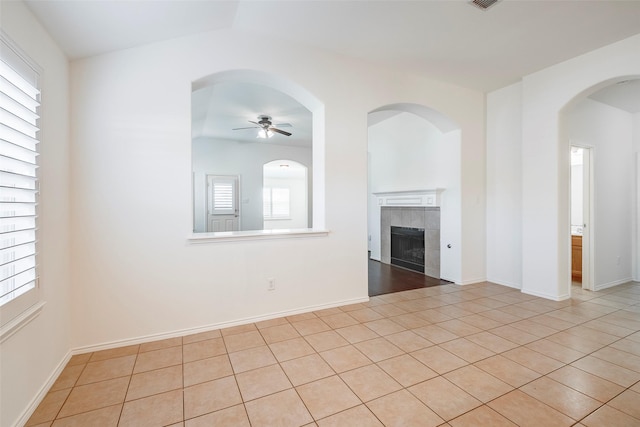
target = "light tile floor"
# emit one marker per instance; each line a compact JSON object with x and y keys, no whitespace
{"x":478,"y":355}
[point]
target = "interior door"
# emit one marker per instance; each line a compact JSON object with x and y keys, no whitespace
{"x":222,"y":203}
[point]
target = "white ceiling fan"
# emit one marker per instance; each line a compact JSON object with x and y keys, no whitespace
{"x":266,"y":127}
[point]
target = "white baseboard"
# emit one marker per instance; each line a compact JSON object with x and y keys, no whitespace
{"x":561,"y":297}
{"x":505,"y":283}
{"x":471,"y":281}
{"x":612,"y":284}
{"x":33,"y":405}
{"x":211,"y":327}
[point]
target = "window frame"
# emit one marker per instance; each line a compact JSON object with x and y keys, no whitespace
{"x":21,"y":308}
{"x":270,"y":216}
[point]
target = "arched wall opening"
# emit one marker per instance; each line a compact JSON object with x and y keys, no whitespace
{"x":542,"y":98}
{"x":308,"y":101}
{"x":414,"y":163}
{"x":610,"y":238}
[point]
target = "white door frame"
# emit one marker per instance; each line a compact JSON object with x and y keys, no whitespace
{"x":588,"y":248}
{"x":635,"y":243}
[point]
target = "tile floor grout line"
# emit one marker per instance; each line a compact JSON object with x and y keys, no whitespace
{"x":127,"y":390}
{"x":457,"y":305}
{"x":184,"y":403}
{"x":67,"y":398}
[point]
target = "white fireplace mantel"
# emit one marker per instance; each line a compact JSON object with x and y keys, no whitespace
{"x":430,"y":197}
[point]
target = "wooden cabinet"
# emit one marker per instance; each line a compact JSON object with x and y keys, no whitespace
{"x":576,"y":258}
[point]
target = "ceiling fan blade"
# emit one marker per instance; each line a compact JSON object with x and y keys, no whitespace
{"x":280,"y":131}
{"x":255,"y":123}
{"x":283,"y":125}
{"x":251,"y":127}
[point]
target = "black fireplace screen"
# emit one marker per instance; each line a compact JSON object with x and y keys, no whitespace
{"x":407,"y":248}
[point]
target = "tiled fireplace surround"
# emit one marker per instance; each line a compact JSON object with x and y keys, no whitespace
{"x":415,"y":217}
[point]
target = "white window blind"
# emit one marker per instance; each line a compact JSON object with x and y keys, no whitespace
{"x":222,"y":196}
{"x":19,"y":102}
{"x":275,"y":203}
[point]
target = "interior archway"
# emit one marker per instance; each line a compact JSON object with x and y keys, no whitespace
{"x":602,"y":121}
{"x":414,"y":166}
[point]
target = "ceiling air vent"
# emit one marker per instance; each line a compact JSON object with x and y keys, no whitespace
{"x":484,"y":4}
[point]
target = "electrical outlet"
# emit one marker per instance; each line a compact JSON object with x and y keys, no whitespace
{"x":271,"y":284}
{"x":618,"y":261}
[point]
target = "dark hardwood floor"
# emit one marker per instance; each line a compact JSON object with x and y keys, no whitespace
{"x":386,"y":279}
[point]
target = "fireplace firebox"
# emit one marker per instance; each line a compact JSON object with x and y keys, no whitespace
{"x":407,"y":248}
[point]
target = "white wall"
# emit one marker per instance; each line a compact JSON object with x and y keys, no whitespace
{"x":452,"y":240}
{"x":610,"y":132}
{"x":131,"y":187}
{"x":545,"y":153}
{"x":504,"y":186}
{"x":408,"y":152}
{"x":243,"y":159}
{"x":31,"y":357}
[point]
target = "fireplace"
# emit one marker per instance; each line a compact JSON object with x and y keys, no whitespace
{"x":407,"y":248}
{"x":425,"y":218}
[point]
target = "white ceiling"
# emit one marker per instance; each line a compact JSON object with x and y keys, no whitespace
{"x":624,"y":95}
{"x":450,"y":40}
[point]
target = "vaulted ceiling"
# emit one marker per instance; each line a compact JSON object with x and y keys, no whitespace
{"x":219,"y":109}
{"x":450,"y":40}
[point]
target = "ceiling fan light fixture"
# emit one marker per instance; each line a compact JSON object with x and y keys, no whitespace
{"x":264,"y":134}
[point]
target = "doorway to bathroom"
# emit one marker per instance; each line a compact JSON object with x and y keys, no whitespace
{"x":581,"y":214}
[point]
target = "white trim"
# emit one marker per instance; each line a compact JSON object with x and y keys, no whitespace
{"x":471,"y":281}
{"x":20,"y":321}
{"x":403,"y":201}
{"x":42,"y":393}
{"x":16,"y":50}
{"x":505,"y":283}
{"x":235,"y":236}
{"x":546,"y":296}
{"x":212,"y":327}
{"x":612,"y":284}
{"x":588,"y":233}
{"x":635,"y":223}
{"x":429,"y":197}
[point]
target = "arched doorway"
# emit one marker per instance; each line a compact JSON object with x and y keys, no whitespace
{"x":601,"y":120}
{"x":414,"y":184}
{"x":285,"y":195}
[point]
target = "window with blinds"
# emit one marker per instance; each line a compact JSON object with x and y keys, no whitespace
{"x":275,"y":203}
{"x":19,"y":102}
{"x":222,"y":197}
